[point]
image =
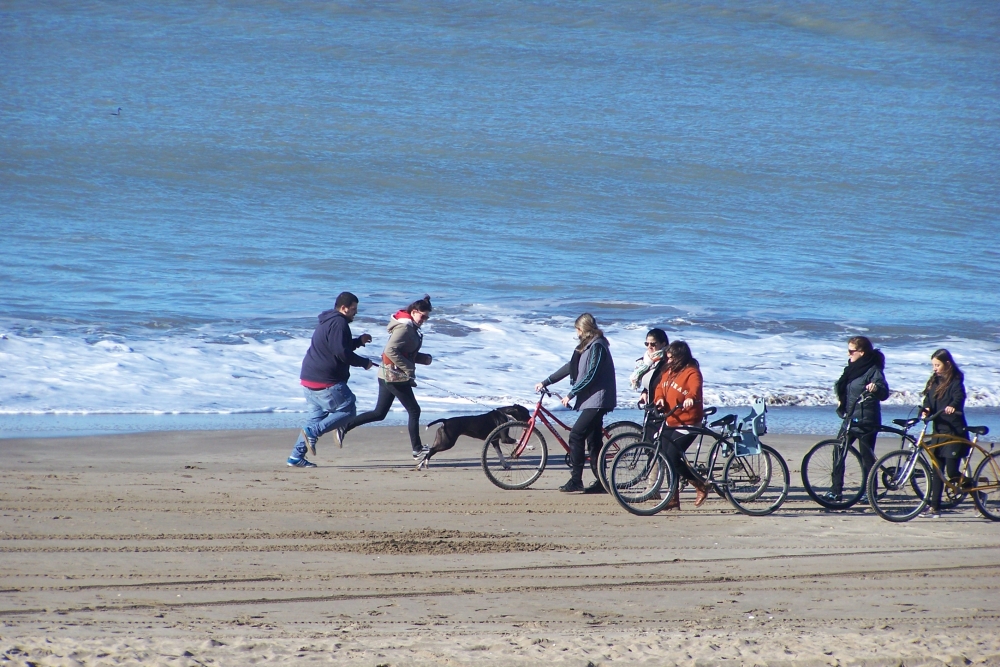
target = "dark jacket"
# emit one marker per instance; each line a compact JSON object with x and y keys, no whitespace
{"x":592,"y":375}
{"x":868,"y":413}
{"x":954,"y":424}
{"x":331,"y":354}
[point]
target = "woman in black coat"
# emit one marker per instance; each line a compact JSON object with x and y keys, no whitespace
{"x":860,"y":389}
{"x":945,"y":391}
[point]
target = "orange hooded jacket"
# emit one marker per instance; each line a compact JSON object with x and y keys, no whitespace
{"x":674,"y":388}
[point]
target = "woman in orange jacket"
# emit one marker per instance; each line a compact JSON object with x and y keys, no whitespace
{"x":681,"y":384}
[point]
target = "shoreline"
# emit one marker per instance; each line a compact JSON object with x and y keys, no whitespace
{"x":817,"y":420}
{"x":146,"y":548}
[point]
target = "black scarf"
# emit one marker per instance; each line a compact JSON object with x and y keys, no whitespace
{"x":856,"y":369}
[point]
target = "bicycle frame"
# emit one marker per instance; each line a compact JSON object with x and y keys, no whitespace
{"x":543,"y":414}
{"x":927,"y":443}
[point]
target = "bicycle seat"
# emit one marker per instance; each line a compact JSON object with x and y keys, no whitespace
{"x":979,"y":430}
{"x":726,"y":421}
{"x":710,"y":411}
{"x":906,"y":423}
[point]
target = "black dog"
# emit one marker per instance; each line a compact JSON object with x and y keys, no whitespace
{"x":474,"y":426}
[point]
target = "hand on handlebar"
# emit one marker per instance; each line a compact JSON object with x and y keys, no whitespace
{"x":565,"y":401}
{"x":539,"y":388}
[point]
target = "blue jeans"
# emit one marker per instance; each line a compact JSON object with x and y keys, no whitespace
{"x":328,"y":409}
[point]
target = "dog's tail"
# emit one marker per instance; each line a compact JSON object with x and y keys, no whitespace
{"x":436,"y":421}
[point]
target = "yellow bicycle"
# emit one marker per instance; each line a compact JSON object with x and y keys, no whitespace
{"x":899,"y":483}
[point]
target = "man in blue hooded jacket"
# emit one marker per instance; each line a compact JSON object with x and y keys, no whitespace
{"x":325,"y":371}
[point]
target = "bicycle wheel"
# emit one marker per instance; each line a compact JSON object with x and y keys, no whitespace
{"x":609,"y":451}
{"x":617,"y":428}
{"x":892,"y":492}
{"x":513,"y":456}
{"x":988,"y":474}
{"x":818,"y":467}
{"x":641,"y":481}
{"x":757,"y":484}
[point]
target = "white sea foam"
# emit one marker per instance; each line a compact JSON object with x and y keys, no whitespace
{"x":482,"y":358}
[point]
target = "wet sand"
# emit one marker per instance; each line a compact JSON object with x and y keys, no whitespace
{"x":204,"y":548}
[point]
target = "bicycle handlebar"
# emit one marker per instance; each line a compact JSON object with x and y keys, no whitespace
{"x":930,"y":418}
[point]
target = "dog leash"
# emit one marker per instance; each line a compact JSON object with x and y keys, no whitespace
{"x":450,"y":392}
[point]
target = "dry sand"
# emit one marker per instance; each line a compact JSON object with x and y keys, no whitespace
{"x":203,"y":548}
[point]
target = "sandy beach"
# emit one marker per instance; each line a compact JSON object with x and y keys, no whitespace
{"x":204,"y":548}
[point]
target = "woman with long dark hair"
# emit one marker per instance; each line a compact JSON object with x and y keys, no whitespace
{"x":945,"y":392}
{"x":681,"y":384}
{"x":591,"y":371}
{"x":397,"y":373}
{"x":860,"y":390}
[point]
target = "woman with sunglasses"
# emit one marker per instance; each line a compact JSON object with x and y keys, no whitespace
{"x":649,"y":366}
{"x":860,"y":390}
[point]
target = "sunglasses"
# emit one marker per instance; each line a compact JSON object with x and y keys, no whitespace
{"x":648,"y":344}
{"x":850,"y":351}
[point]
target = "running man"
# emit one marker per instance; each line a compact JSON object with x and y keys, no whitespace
{"x":325,"y":371}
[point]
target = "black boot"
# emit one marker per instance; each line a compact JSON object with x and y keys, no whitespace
{"x":574,"y":485}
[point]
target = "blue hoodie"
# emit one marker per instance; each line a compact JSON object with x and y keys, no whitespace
{"x":331,"y":353}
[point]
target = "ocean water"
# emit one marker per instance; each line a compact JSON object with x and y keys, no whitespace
{"x":761,"y":179}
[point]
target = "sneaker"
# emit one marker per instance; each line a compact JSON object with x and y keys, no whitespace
{"x":572,"y":486}
{"x":832,"y":497}
{"x":300,"y":463}
{"x":863,"y":500}
{"x":421,"y":457}
{"x":418,"y":454}
{"x":596,"y":487}
{"x":310,"y":440}
{"x":338,"y":434}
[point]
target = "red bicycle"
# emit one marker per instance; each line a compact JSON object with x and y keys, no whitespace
{"x":515,"y":453}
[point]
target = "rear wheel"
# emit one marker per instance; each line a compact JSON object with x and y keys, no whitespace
{"x":819,"y":468}
{"x":608,"y":453}
{"x":514,"y":456}
{"x":640,"y":479}
{"x":988,"y":500}
{"x":756,"y":484}
{"x":617,"y":428}
{"x":894,"y":493}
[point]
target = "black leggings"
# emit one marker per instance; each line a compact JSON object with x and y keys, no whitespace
{"x":866,"y":447}
{"x":949,"y":466}
{"x":675,"y":445}
{"x":387,"y":391}
{"x":587,"y":434}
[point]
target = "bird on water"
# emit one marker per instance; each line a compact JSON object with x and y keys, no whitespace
{"x":117,"y":113}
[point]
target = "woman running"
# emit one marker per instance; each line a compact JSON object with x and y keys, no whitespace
{"x":945,"y":390}
{"x":397,"y":373}
{"x":860,"y":390}
{"x":681,"y":384}
{"x":592,"y":374}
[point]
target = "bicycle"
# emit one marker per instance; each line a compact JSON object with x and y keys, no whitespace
{"x":899,"y":483}
{"x":650,"y":422}
{"x":832,"y":461}
{"x":515,"y":454}
{"x":754,"y":476}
